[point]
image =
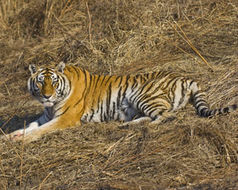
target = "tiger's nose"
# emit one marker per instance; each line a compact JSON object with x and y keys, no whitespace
{"x":46,"y":96}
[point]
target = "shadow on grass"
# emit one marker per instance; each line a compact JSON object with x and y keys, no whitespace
{"x":16,"y":123}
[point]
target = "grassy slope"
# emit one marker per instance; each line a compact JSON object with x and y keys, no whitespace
{"x":114,"y":37}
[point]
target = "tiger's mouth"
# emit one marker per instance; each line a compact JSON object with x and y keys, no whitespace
{"x":48,"y":103}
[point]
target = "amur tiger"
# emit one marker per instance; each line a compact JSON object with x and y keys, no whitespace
{"x":72,"y":95}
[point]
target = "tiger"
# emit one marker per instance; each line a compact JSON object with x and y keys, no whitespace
{"x":72,"y":96}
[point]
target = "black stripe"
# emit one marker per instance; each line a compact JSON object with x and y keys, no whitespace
{"x":98,"y":78}
{"x":101,"y":112}
{"x":90,"y":83}
{"x":155,"y":90}
{"x":191,"y":83}
{"x":62,"y":81}
{"x":76,"y":70}
{"x":119,"y":82}
{"x":113,"y":110}
{"x":173,"y":89}
{"x":119,"y":97}
{"x":58,"y":109}
{"x":204,"y":112}
{"x":70,"y":86}
{"x":126,"y":84}
{"x":31,"y":84}
{"x":140,"y":94}
{"x":220,"y":111}
{"x":118,"y":77}
{"x":155,"y":109}
{"x":168,"y":83}
{"x":149,"y":76}
{"x":182,"y":93}
{"x":142,"y":99}
{"x":204,"y":105}
{"x":158,"y":74}
{"x":109,"y":77}
{"x":154,"y":106}
{"x":101,"y":101}
{"x":94,"y":88}
{"x":63,"y":112}
{"x":198,"y":93}
{"x":225,"y":110}
{"x":118,"y":117}
{"x":108,"y":99}
{"x":80,"y":98}
{"x":140,"y":77}
{"x":83,"y":94}
{"x":105,"y":117}
{"x":91,"y":117}
{"x":146,"y":101}
{"x":103,"y":80}
{"x":200,"y":102}
{"x":135,"y":84}
{"x":98,"y":104}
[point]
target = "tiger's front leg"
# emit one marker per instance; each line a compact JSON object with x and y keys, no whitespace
{"x":17,"y":135}
{"x":44,"y":118}
{"x":34,"y":131}
{"x":35,"y":125}
{"x":38,"y":132}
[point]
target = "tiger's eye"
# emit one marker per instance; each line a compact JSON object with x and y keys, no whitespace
{"x":40,"y":78}
{"x":54,"y":78}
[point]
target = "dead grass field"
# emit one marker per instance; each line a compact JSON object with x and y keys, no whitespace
{"x":197,"y":38}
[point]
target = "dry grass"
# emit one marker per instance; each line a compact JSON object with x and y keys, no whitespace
{"x":197,"y":38}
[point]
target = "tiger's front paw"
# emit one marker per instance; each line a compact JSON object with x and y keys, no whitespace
{"x":23,"y":134}
{"x":20,"y":135}
{"x":16,"y":135}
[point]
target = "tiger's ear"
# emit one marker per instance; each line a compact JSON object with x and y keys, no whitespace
{"x":32,"y":68}
{"x":61,"y":67}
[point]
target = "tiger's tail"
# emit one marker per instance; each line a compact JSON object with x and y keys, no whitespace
{"x":202,"y":107}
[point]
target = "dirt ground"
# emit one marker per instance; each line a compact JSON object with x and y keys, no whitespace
{"x":195,"y":38}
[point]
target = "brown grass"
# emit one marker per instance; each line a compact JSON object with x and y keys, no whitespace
{"x":197,"y":38}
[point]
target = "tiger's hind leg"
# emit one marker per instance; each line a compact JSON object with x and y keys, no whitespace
{"x":153,"y":110}
{"x":157,"y":117}
{"x":151,"y":121}
{"x":159,"y":110}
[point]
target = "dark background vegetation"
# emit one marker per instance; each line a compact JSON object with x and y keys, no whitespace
{"x":197,"y":38}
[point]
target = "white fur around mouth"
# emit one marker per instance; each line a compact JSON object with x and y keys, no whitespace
{"x":48,"y":104}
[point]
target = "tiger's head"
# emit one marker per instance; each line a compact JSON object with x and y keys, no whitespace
{"x":48,"y":85}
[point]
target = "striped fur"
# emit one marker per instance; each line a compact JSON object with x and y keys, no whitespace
{"x":72,"y":95}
